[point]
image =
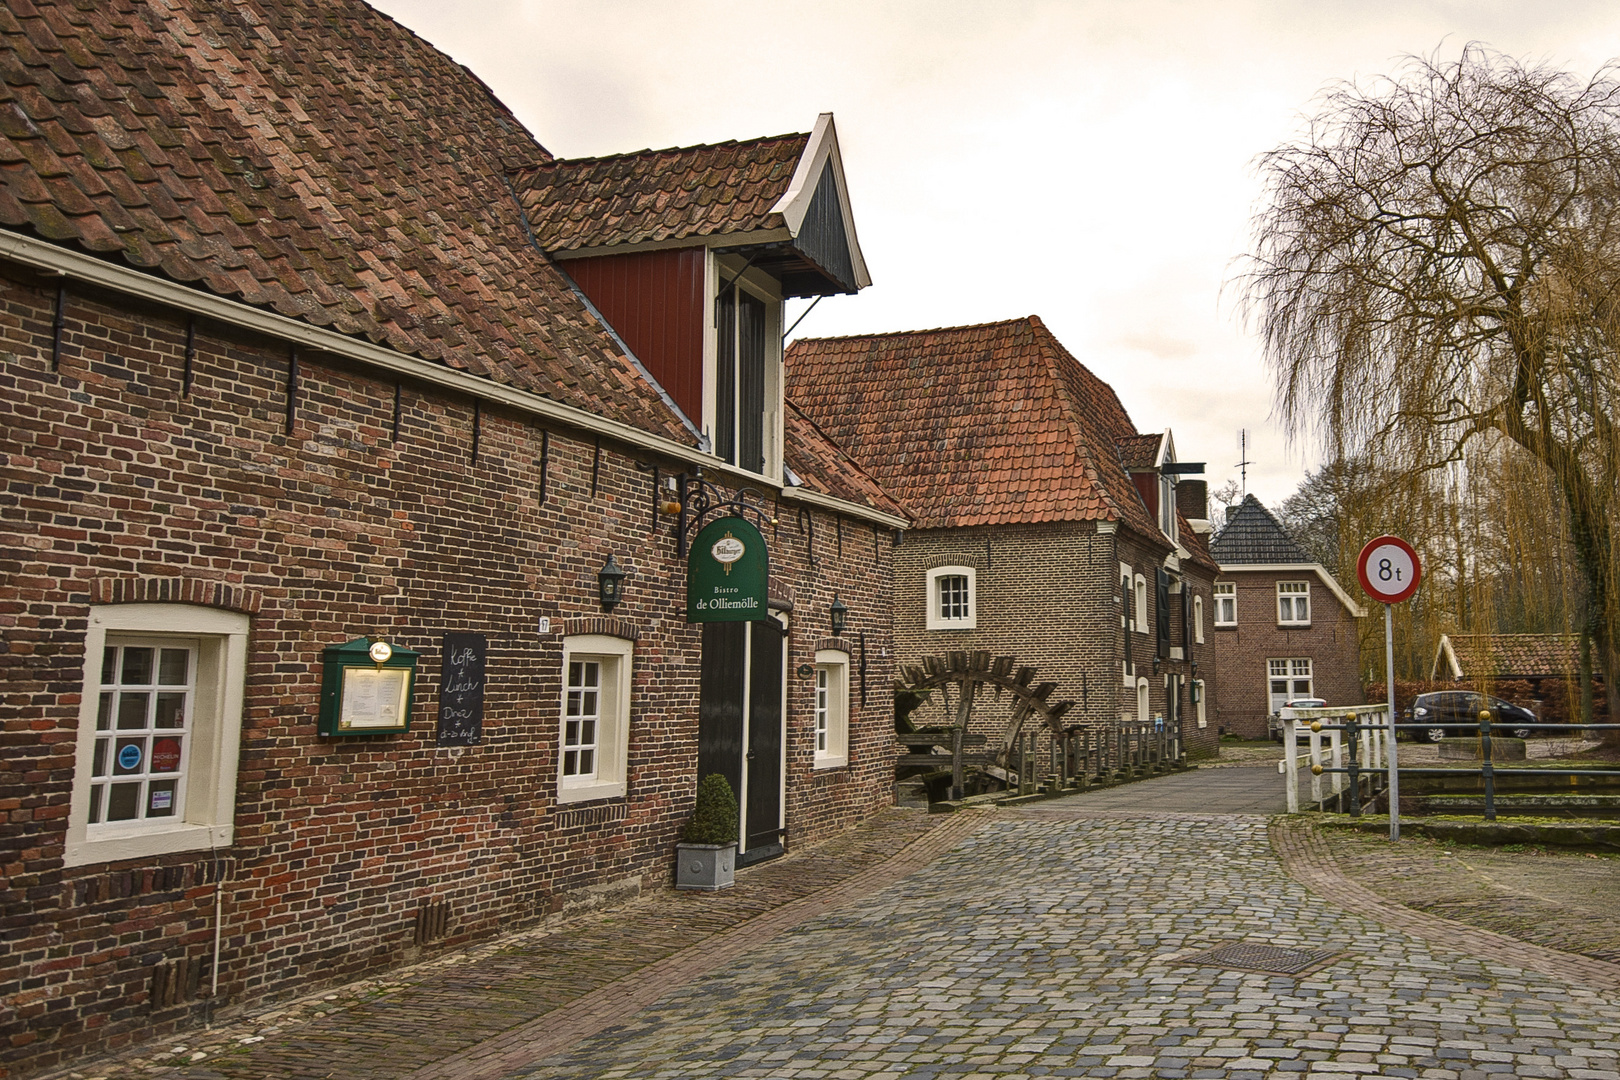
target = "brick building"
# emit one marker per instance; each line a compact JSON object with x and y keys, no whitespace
{"x":286,"y":365}
{"x":1284,"y":627}
{"x":1046,"y":527}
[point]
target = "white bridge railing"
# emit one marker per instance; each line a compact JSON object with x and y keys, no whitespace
{"x":1327,"y":748}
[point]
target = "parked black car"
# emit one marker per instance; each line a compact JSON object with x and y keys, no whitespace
{"x":1455,"y":713}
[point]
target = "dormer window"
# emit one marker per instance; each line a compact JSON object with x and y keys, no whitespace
{"x":691,"y":285}
{"x":747,"y":370}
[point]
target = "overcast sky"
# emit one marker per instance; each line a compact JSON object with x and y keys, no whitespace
{"x":1087,"y":162}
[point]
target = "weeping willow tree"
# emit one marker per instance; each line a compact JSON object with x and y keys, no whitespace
{"x":1436,"y":265}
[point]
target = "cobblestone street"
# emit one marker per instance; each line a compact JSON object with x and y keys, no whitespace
{"x":1054,"y":940}
{"x":1048,"y":945}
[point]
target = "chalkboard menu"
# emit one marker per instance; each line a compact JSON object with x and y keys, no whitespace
{"x":461,"y":690}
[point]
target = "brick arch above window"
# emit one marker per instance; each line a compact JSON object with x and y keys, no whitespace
{"x":606,"y":625}
{"x":201,"y":592}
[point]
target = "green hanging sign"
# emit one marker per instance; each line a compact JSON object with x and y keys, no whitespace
{"x":727,"y":571}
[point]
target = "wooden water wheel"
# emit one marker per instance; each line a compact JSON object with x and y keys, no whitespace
{"x":961,"y":678}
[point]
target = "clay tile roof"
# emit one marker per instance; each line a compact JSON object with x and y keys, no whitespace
{"x":1253,"y":535}
{"x":973,"y":425}
{"x":312,"y":157}
{"x":1517,"y":655}
{"x":1140,"y":451}
{"x":655,"y":195}
{"x":823,"y":467}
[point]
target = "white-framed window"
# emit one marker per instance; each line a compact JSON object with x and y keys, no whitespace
{"x":160,"y":725}
{"x":832,"y":709}
{"x":953,"y":598}
{"x":1198,"y":619}
{"x":1288,"y":678}
{"x":1199,"y":691}
{"x":1143,"y":702}
{"x":1294,"y":603}
{"x":1225,"y":603}
{"x":743,"y":376}
{"x":1141,"y":605}
{"x":594,"y":729}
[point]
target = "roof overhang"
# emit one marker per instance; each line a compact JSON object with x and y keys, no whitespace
{"x":822,"y":155}
{"x":1301,"y":568}
{"x":56,"y":260}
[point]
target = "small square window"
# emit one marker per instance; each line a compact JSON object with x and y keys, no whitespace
{"x":952,"y":598}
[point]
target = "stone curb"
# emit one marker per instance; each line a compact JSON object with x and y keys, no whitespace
{"x":1306,"y":858}
{"x":1493,"y":832}
{"x":618,"y":1001}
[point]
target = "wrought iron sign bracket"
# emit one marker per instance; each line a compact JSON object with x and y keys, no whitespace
{"x":702,"y":499}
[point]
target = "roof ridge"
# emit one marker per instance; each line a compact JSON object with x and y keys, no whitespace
{"x":1025,"y":319}
{"x":650,"y":151}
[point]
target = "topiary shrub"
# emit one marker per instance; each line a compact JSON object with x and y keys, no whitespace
{"x":714,"y":818}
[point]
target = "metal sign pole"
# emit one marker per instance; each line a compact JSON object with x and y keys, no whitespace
{"x":1394,"y":769}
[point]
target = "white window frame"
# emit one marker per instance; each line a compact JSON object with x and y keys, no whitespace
{"x":1203,"y":697}
{"x":1291,"y":670}
{"x":1198,"y":619}
{"x":215,"y":733}
{"x":831,"y":711}
{"x":720,"y":269}
{"x":616,"y":657}
{"x":1141,"y":605}
{"x":1225,"y":599}
{"x":934,"y":620}
{"x":1144,"y":701}
{"x":1290,"y":595}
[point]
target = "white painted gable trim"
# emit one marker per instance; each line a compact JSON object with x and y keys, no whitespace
{"x":795,"y":201}
{"x":1303,"y":568}
{"x":1448,"y":656}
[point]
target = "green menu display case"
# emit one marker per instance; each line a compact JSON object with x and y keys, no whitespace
{"x":367,"y":686}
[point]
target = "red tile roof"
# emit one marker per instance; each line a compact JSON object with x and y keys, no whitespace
{"x":1516,"y":655}
{"x":654,"y":195}
{"x":823,"y":467}
{"x":313,"y":158}
{"x":1140,"y":451}
{"x":974,"y":425}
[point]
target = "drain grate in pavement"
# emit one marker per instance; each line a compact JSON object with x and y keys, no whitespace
{"x":1273,"y":959}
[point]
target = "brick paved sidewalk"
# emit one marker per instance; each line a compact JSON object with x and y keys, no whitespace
{"x":493,"y":1007}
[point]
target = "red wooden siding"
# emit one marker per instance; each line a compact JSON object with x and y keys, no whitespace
{"x":654,"y":300}
{"x":1147,"y":484}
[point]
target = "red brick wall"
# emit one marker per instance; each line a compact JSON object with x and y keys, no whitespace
{"x":1242,"y":651}
{"x":112,"y":478}
{"x":1048,"y":594}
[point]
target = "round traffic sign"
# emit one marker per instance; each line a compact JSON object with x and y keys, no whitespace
{"x":1389,"y":569}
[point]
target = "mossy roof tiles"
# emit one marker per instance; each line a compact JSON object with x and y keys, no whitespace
{"x":659,"y":195}
{"x":313,"y":158}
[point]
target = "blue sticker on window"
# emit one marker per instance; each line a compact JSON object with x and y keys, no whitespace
{"x":129,"y":757}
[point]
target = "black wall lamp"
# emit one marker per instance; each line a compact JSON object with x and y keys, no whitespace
{"x":840,"y":616}
{"x":610,"y":584}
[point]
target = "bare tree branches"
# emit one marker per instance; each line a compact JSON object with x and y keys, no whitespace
{"x":1438,"y":259}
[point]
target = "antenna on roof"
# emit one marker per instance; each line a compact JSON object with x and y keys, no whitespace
{"x":1243,"y":452}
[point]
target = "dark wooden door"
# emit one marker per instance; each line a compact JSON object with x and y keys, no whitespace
{"x":740,"y":726}
{"x":720,"y":704}
{"x":764,"y":755}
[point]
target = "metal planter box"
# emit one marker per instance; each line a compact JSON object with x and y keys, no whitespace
{"x":705,"y":867}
